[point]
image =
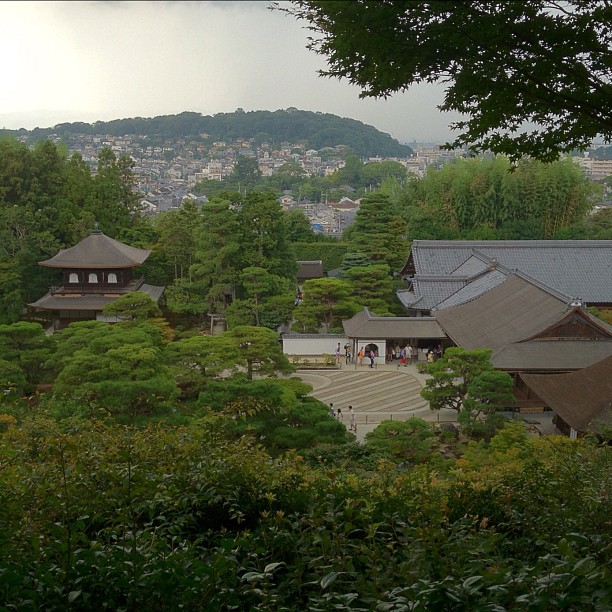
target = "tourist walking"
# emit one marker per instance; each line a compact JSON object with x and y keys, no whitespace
{"x":339,"y":415}
{"x":331,"y":409}
{"x":352,"y":426}
{"x":360,"y":356}
{"x":338,"y":353}
{"x":402,"y":359}
{"x":372,"y":355}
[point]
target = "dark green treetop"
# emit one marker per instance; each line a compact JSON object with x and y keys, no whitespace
{"x":506,"y":65}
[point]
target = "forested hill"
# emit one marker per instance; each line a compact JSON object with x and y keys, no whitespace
{"x":315,"y":130}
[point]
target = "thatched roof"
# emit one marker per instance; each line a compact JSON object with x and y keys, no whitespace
{"x":513,"y":318}
{"x":507,"y":313}
{"x":583,"y":399}
{"x":555,"y":355}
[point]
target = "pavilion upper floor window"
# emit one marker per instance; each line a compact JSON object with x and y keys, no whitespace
{"x":93,"y":278}
{"x":73,"y":278}
{"x":112,"y":278}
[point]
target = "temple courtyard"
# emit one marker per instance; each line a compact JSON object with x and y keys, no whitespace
{"x":386,"y":392}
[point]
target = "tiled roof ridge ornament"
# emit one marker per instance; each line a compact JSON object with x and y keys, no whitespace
{"x":96,"y":229}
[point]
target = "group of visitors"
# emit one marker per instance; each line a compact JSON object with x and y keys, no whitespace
{"x":404,"y":355}
{"x":337,"y":413}
{"x":433,"y":354}
{"x":348,"y":356}
{"x":371,"y":355}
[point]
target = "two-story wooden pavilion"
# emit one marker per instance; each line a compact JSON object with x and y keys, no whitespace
{"x":95,"y":272}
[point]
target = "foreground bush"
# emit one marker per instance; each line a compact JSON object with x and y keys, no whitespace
{"x":108,"y":517}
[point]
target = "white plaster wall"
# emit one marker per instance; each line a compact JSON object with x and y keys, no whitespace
{"x":105,"y":319}
{"x":327,"y":344}
{"x":313,"y":346}
{"x":382,"y":350}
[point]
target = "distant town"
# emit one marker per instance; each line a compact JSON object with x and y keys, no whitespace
{"x":167,"y":170}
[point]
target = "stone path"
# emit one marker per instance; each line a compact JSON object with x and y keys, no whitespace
{"x":387,"y":392}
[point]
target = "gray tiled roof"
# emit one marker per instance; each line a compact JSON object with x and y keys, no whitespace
{"x":578,"y":268}
{"x":98,"y":251}
{"x":296,"y":335}
{"x":475,"y":264}
{"x":428,"y":292}
{"x":481,"y":284}
{"x":366,"y":325}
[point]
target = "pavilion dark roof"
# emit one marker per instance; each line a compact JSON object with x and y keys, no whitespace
{"x":88,"y":302}
{"x":98,"y":251}
{"x":583,"y":399}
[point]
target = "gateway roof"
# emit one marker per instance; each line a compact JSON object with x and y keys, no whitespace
{"x":310,"y":269}
{"x":366,"y":325}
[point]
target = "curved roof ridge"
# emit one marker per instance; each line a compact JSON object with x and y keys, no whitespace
{"x":440,"y":306}
{"x":97,"y":251}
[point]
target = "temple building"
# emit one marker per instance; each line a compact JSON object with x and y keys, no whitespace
{"x":441,"y":274}
{"x":95,"y":272}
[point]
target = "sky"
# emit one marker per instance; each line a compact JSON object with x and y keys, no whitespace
{"x":98,"y":61}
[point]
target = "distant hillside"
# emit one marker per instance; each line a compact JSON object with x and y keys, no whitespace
{"x":315,"y":130}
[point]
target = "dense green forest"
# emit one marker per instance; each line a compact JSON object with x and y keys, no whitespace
{"x":149,"y":465}
{"x":315,"y":130}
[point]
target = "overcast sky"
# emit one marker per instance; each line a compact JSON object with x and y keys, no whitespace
{"x":89,"y":61}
